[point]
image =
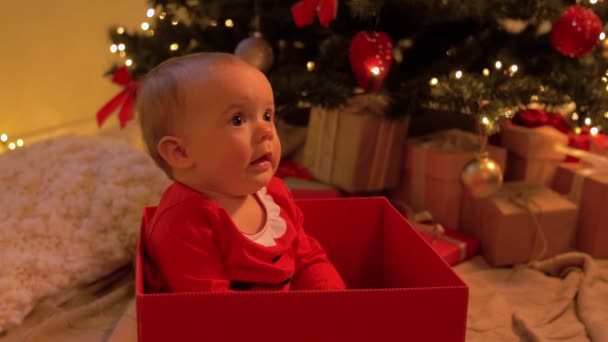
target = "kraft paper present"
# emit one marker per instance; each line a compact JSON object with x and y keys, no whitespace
{"x":587,"y":187}
{"x":521,"y":223}
{"x":532,"y":154}
{"x":531,"y":170}
{"x":432,"y":170}
{"x":536,"y":142}
{"x":354,"y":150}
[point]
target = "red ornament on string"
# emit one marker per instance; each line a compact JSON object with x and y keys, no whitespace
{"x":304,"y":12}
{"x":371,"y":56}
{"x":576,"y":32}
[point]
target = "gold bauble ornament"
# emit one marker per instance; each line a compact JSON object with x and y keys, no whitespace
{"x":482,"y":176}
{"x":256,"y":51}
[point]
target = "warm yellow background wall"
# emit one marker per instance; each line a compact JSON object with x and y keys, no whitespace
{"x":53,"y":55}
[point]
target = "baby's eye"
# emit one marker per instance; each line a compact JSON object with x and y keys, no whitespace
{"x":267,"y":116}
{"x":237,"y":120}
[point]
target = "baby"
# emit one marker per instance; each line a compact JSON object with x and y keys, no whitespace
{"x":225,"y":223}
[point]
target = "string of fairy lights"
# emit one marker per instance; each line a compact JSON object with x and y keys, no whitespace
{"x":498,"y":65}
{"x":120,"y":48}
{"x":10,"y":144}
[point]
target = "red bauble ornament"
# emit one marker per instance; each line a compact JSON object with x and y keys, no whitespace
{"x":576,"y":32}
{"x":371,"y":56}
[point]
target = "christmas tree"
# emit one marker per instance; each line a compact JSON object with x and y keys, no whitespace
{"x":487,"y":58}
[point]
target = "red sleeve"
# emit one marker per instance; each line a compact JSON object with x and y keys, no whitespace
{"x":313,"y":269}
{"x":184,"y":248}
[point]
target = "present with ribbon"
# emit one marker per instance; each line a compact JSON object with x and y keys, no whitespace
{"x":530,"y":137}
{"x":355,"y":148}
{"x":586,"y":184}
{"x":453,"y":246}
{"x":125,"y":100}
{"x":432,"y":169}
{"x":522,"y":223}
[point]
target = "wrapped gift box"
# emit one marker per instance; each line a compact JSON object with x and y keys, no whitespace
{"x":355,"y":148}
{"x":453,"y":246}
{"x":513,"y":223}
{"x":399,"y":289}
{"x":307,"y":189}
{"x":599,"y":144}
{"x":432,"y":170}
{"x":532,"y":154}
{"x":588,"y":188}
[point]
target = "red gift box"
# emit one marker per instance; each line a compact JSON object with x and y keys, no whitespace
{"x":453,"y":246}
{"x":399,"y":289}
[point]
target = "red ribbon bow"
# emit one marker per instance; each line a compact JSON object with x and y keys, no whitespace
{"x":304,"y":11}
{"x":125,"y":99}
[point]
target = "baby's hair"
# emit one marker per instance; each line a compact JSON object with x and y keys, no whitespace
{"x":160,"y":99}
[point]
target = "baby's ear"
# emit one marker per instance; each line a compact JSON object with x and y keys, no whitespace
{"x":173,"y":151}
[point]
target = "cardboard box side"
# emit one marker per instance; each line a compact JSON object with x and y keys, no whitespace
{"x":593,"y":217}
{"x":407,"y":256}
{"x":357,"y":220}
{"x":404,"y":314}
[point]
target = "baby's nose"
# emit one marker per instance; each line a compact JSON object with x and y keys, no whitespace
{"x":265,"y":131}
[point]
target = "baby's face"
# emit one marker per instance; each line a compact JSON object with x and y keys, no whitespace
{"x":231,"y":134}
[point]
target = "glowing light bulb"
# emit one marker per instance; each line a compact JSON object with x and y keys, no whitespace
{"x":310,"y":66}
{"x":12,"y":146}
{"x":375,"y":70}
{"x":3,"y":137}
{"x":113,"y":48}
{"x":20,"y":142}
{"x":513,"y":68}
{"x":174,"y":22}
{"x":486,"y":72}
{"x":434,"y":81}
{"x":145,"y":26}
{"x":128,"y":62}
{"x":150,"y":13}
{"x":162,"y":15}
{"x":229,"y":23}
{"x":120,"y":30}
{"x":574,"y":116}
{"x":174,"y":47}
{"x":121,"y":47}
{"x":588,"y":121}
{"x":485,"y":120}
{"x":602,"y":36}
{"x":458,"y":74}
{"x":594,"y":130}
{"x":577,"y":130}
{"x":606,"y":115}
{"x":593,"y":2}
{"x":498,"y":64}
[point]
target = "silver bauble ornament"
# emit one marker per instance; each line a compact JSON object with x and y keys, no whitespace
{"x":256,"y":51}
{"x":482,"y":176}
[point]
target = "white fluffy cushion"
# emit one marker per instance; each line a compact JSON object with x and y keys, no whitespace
{"x":70,"y":211}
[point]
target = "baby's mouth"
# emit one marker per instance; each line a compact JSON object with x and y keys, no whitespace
{"x":264,"y":158}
